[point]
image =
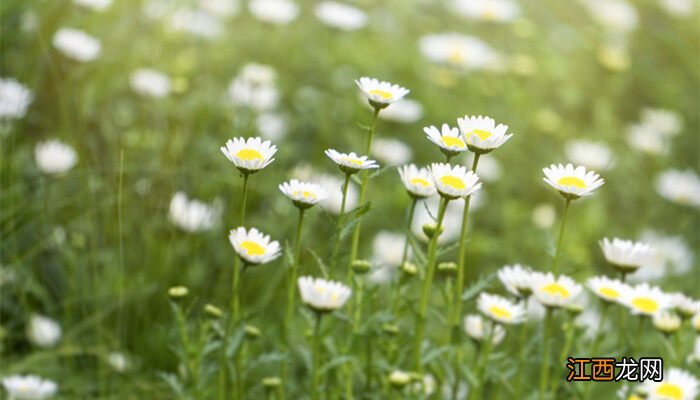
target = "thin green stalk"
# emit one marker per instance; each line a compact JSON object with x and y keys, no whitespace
{"x":555,"y":262}
{"x":316,"y":348}
{"x":245,"y":197}
{"x":404,"y":257}
{"x":544,"y":373}
{"x":430,"y":272}
{"x":568,"y":341}
{"x":521,"y":354}
{"x":599,"y":330}
{"x":341,"y":223}
{"x":490,"y":329}
{"x":291,"y":300}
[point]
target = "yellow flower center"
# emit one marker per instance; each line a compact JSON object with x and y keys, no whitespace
{"x":453,"y":182}
{"x":353,"y":161}
{"x":453,"y":141}
{"x":456,"y":55}
{"x":556,"y":289}
{"x":634,"y":397}
{"x":249,"y":154}
{"x":420,"y":181}
{"x":500,"y":312}
{"x":306,"y":194}
{"x":670,"y":391}
{"x":381,"y":93}
{"x":482,"y":134}
{"x":334,"y":298}
{"x":320,"y":289}
{"x":252,"y":248}
{"x":572,"y":181}
{"x":609,"y":292}
{"x":645,"y":304}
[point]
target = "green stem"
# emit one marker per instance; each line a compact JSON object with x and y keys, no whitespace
{"x":569,"y":340}
{"x":316,"y":357}
{"x":521,"y":354}
{"x":555,"y":262}
{"x":341,"y":223}
{"x":430,"y":271}
{"x":544,"y":373}
{"x":291,"y":300}
{"x":397,"y":284}
{"x":599,"y":330}
{"x":490,"y":329}
{"x":245,"y":197}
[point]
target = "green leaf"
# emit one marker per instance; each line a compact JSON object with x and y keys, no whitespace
{"x":352,"y":218}
{"x":363,"y":126}
{"x":418,"y":252}
{"x":381,"y":171}
{"x":481,"y":284}
{"x":335,"y":362}
{"x":319,"y":261}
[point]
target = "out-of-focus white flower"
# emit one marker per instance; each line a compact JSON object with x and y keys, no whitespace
{"x":340,"y":15}
{"x":97,"y":5}
{"x":643,"y":299}
{"x":391,"y":151}
{"x":255,"y":87}
{"x":118,"y":361}
{"x":667,"y":322}
{"x":197,"y":22}
{"x":696,"y":349}
{"x":7,"y":276}
{"x":151,"y":83}
{"x":15,"y":99}
{"x":322,"y":295}
{"x":644,"y":139}
{"x":425,"y":387}
{"x":590,"y":321}
{"x":517,"y":279}
{"x":54,"y":157}
{"x":551,"y":291}
{"x":678,"y":8}
{"x":303,"y":194}
{"x":380,"y":94}
{"x":500,"y":309}
{"x":476,"y":329}
{"x":488,"y":10}
{"x":277,"y":12}
{"x":220,"y":8}
{"x":489,"y":169}
{"x":682,"y":187}
{"x":534,"y":309}
{"x":42,"y":331}
{"x":76,"y":44}
{"x":677,"y":384}
{"x":626,"y":255}
{"x":592,"y":155}
{"x":614,"y":56}
{"x":686,"y":306}
{"x":405,"y":111}
{"x":571,"y":182}
{"x":609,"y":290}
{"x":272,"y":126}
{"x":333,"y":185}
{"x":544,"y":215}
{"x":459,"y":51}
{"x":665,"y":122}
{"x":672,"y":256}
{"x":29,"y":387}
{"x":253,"y":246}
{"x":251,"y":155}
{"x":614,"y":15}
{"x":387,"y":248}
{"x":192,"y":215}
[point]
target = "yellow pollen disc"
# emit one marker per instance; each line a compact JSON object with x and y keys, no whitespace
{"x":453,"y":141}
{"x":482,"y":134}
{"x":555,"y":289}
{"x":252,"y":248}
{"x":320,"y":289}
{"x":634,"y":397}
{"x":500,"y":312}
{"x":249,"y":154}
{"x":452,"y":182}
{"x":334,"y":297}
{"x":353,"y":161}
{"x":420,"y":181}
{"x":670,"y":391}
{"x":306,"y":194}
{"x":609,"y":292}
{"x":383,"y":94}
{"x":645,"y":304}
{"x":456,"y":56}
{"x":572,"y":181}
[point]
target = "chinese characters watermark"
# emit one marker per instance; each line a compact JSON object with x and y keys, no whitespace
{"x":609,"y":369}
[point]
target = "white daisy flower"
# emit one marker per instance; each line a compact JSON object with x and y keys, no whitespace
{"x":665,"y":122}
{"x":593,"y":155}
{"x":590,"y":321}
{"x":29,"y":387}
{"x":391,"y":151}
{"x":571,"y":182}
{"x":340,"y":15}
{"x":477,"y":329}
{"x":626,"y":255}
{"x":196,"y":21}
{"x":696,"y":350}
{"x":387,"y":248}
{"x":54,"y":157}
{"x":614,"y":15}
{"x":76,"y":44}
{"x":554,"y":291}
{"x":500,"y":309}
{"x":42,"y":331}
{"x":220,"y":8}
{"x":449,"y":140}
{"x":405,"y":111}
{"x":517,"y":279}
{"x":253,"y":246}
{"x":251,"y":155}
{"x":678,"y":8}
{"x":459,"y":51}
{"x":418,"y":182}
{"x":96,"y":5}
{"x":380,"y":94}
{"x":489,"y":168}
{"x":488,"y":10}
{"x":609,"y":290}
{"x":685,"y":305}
{"x":192,"y":215}
{"x":303,"y":195}
{"x":453,"y":182}
{"x":255,"y":87}
{"x":15,"y":99}
{"x":671,"y":256}
{"x":334,"y":187}
{"x":645,"y":139}
{"x":150,"y":83}
{"x":682,"y":187}
{"x":481,"y":134}
{"x":667,"y":322}
{"x":695,"y":321}
{"x":277,"y":12}
{"x":322,"y":295}
{"x":643,"y":299}
{"x":677,"y":384}
{"x":544,"y":215}
{"x":118,"y":361}
{"x":272,"y":126}
{"x":350,"y":163}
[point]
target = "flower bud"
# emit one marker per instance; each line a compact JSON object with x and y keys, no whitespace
{"x":361,"y":266}
{"x":251,"y":332}
{"x":213,"y":311}
{"x":447,"y":268}
{"x":431,"y":229}
{"x":409,"y":268}
{"x":271,"y":382}
{"x":399,"y":378}
{"x":390,"y":329}
{"x":178,"y":292}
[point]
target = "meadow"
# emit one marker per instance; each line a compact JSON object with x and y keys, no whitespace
{"x":149,"y":147}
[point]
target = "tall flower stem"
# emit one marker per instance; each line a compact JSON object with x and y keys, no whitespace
{"x":490,"y":329}
{"x":316,"y":348}
{"x":555,"y":262}
{"x":404,"y":257}
{"x":544,"y":373}
{"x":568,"y":342}
{"x":521,"y":355}
{"x":427,"y":282}
{"x":599,"y":330}
{"x":341,"y":223}
{"x":459,"y":286}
